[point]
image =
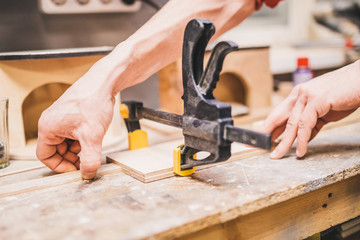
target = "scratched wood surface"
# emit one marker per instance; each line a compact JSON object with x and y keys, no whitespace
{"x":158,"y":163}
{"x":116,"y":206}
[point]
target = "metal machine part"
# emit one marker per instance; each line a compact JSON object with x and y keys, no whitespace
{"x":2,"y":149}
{"x":206,"y":122}
{"x":87,"y":6}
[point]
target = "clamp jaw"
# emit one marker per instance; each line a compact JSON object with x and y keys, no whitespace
{"x":137,"y":138}
{"x":206,"y":122}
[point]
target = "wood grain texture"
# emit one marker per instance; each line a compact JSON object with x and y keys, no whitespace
{"x":242,"y":193}
{"x":327,"y":207}
{"x":51,"y":181}
{"x":20,"y":166}
{"x":156,"y":162}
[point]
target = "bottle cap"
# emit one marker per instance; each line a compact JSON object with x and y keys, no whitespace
{"x":303,"y":62}
{"x":349,"y":43}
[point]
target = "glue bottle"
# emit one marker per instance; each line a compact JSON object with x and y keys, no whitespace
{"x":303,"y":72}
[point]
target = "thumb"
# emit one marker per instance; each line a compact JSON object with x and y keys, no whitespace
{"x":90,"y":158}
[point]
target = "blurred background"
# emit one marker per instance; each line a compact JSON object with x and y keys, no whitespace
{"x":325,"y":31}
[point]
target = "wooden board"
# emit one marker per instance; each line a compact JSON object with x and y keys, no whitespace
{"x":19,"y":166}
{"x":156,"y":162}
{"x":50,"y":181}
{"x":254,"y":197}
{"x":296,"y":218}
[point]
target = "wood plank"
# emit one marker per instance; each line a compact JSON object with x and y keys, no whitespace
{"x":156,"y":162}
{"x":18,"y":166}
{"x":109,"y":207}
{"x":296,"y":218}
{"x":51,"y":181}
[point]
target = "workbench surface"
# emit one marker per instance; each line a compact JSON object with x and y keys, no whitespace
{"x":255,"y":198}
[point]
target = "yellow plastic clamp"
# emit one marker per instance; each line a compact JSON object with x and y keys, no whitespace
{"x":177,"y":163}
{"x":124,"y":111}
{"x":138,"y":139}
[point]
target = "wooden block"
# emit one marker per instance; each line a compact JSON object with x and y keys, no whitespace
{"x":156,"y":162}
{"x":51,"y":181}
{"x":20,"y":166}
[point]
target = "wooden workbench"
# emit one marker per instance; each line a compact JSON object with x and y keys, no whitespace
{"x":255,"y":198}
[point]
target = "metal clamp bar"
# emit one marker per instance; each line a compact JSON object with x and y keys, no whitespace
{"x":246,"y":136}
{"x":171,"y":119}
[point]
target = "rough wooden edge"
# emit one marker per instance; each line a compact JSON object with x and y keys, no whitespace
{"x":20,"y":169}
{"x":51,"y":181}
{"x":301,"y":192}
{"x":168,"y":172}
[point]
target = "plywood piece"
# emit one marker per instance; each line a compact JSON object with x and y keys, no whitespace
{"x":51,"y":181}
{"x":156,"y":162}
{"x":211,"y":198}
{"x":20,"y":166}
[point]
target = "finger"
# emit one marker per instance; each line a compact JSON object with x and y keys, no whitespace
{"x":307,"y":123}
{"x":319,"y":125}
{"x":71,"y":157}
{"x":90,"y":158}
{"x":58,"y":164}
{"x":276,"y":118}
{"x":77,"y":164}
{"x":280,"y":114}
{"x":46,"y":145}
{"x":61,"y":148}
{"x":75,"y":147}
{"x":277,"y":132}
{"x":290,"y":132}
{"x":44,"y":150}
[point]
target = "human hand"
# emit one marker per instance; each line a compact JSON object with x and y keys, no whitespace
{"x":76,"y":123}
{"x":311,"y":105}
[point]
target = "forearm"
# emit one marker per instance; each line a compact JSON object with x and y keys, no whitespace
{"x":159,"y":41}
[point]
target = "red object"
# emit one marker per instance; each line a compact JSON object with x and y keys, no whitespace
{"x":269,"y":3}
{"x":349,"y":43}
{"x":303,"y":62}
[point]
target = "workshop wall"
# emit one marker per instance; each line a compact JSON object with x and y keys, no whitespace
{"x":23,"y":27}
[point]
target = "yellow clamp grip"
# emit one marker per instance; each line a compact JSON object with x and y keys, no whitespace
{"x":124,"y":111}
{"x":177,"y":163}
{"x":138,"y":139}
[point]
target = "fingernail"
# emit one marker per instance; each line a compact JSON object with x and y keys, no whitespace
{"x":273,"y":154}
{"x":299,"y":154}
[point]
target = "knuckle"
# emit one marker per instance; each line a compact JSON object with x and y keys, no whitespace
{"x":42,"y":123}
{"x":291,"y":124}
{"x":301,"y":90}
{"x":302,"y":124}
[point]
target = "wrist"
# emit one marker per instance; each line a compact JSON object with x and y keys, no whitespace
{"x":113,"y":72}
